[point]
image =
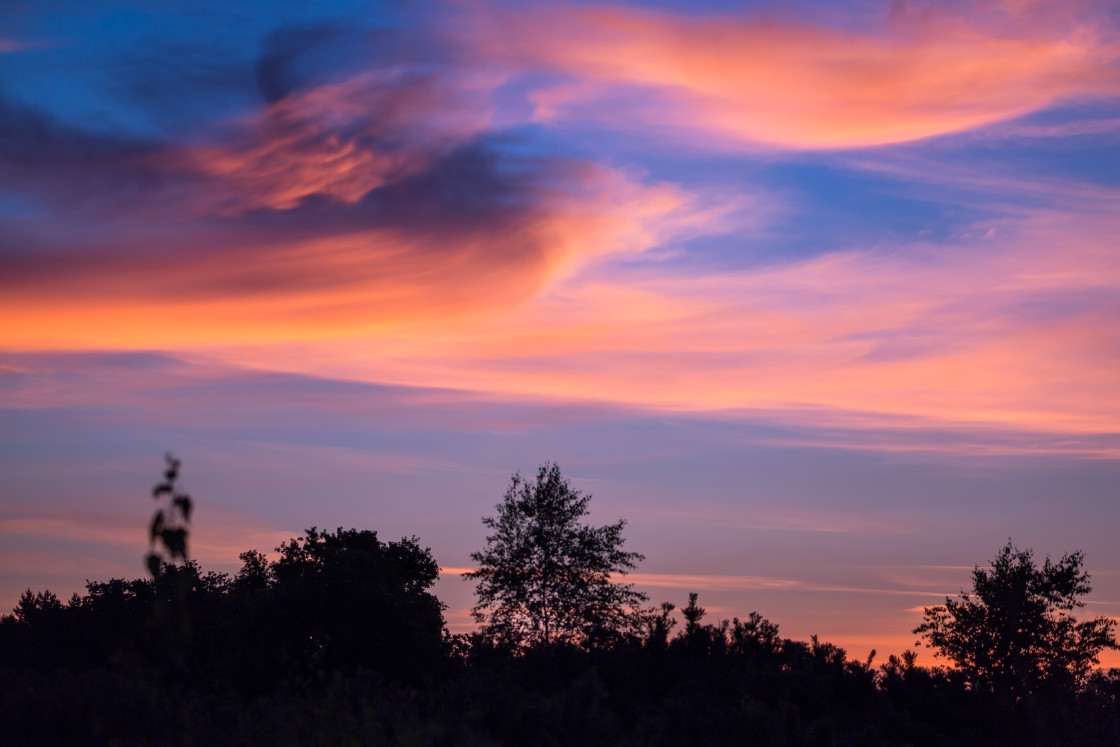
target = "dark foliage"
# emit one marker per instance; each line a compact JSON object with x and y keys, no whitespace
{"x":728,"y":683}
{"x":1014,"y":634}
{"x":340,"y":600}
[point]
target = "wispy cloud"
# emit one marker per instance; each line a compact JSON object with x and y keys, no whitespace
{"x":996,"y":333}
{"x":996,"y":345}
{"x":16,"y":45}
{"x":217,"y":541}
{"x":774,"y":80}
{"x":717,"y":582}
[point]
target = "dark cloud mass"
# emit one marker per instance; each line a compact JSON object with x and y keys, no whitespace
{"x":284,"y":62}
{"x":63,"y":164}
{"x":385,"y":180}
{"x":474,"y":187}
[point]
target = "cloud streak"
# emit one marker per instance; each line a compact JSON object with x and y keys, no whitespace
{"x":744,"y":80}
{"x":997,"y":333}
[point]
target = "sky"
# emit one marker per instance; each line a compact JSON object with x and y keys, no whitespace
{"x":822,"y":298}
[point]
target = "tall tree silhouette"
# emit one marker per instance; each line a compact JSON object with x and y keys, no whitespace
{"x":1015,"y":633}
{"x":544,"y":576}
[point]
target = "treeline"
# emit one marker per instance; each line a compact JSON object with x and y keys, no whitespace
{"x":340,"y":640}
{"x":332,"y":601}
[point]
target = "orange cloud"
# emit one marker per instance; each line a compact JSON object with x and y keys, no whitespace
{"x":364,"y":230}
{"x":337,"y":141}
{"x":1000,"y":333}
{"x":236,"y":288}
{"x":741,"y":79}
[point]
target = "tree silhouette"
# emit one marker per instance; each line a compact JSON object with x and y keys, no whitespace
{"x":545,"y":577}
{"x":33,"y":607}
{"x":1015,"y":634}
{"x":342,"y":599}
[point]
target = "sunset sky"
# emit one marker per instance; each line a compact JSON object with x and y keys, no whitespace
{"x":822,"y":297}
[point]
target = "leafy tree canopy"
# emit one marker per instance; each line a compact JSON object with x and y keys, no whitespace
{"x":347,"y":598}
{"x":1015,"y":633}
{"x":545,"y":576}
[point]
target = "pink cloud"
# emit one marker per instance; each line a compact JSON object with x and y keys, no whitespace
{"x":15,"y":45}
{"x":746,"y":79}
{"x":338,"y":140}
{"x":217,"y":541}
{"x":240,"y":285}
{"x":1005,"y":334}
{"x":1001,"y":334}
